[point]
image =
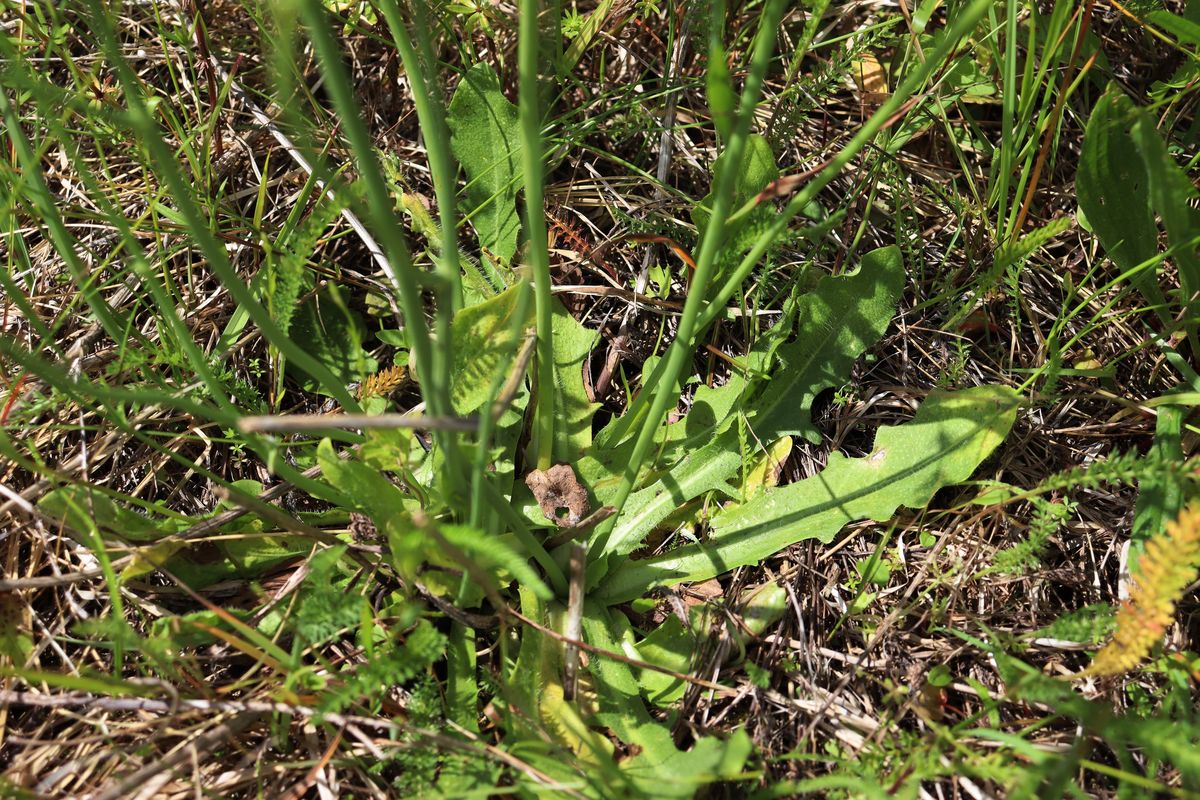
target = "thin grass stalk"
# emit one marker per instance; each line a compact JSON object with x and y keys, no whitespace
{"x":1007,"y":116}
{"x":432,"y":118}
{"x":169,"y":317}
{"x":487,"y":421}
{"x":60,"y":237}
{"x":681,"y":349}
{"x":908,"y":87}
{"x":444,"y":170}
{"x":170,"y":320}
{"x":142,"y":122}
{"x":86,"y":393}
{"x":433,"y":362}
{"x":433,"y":359}
{"x":530,"y":117}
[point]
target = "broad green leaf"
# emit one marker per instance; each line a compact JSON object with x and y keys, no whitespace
{"x":757,"y":170}
{"x":372,"y":494}
{"x":198,"y":563}
{"x":484,"y":342}
{"x":369,"y":491}
{"x":711,"y":413}
{"x":706,"y":469}
{"x":1183,"y":29}
{"x":1114,"y":190}
{"x":485,"y":138}
{"x":837,"y":322}
{"x":1171,"y":195}
{"x":951,"y":434}
{"x":675,"y":647}
{"x":84,"y":509}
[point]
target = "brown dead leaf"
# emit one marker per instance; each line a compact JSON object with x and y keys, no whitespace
{"x":700,"y":593}
{"x":557,"y":489}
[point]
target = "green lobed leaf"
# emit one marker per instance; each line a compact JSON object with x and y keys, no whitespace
{"x":951,"y":434}
{"x":485,"y":138}
{"x":287,"y":275}
{"x":660,"y":769}
{"x":837,"y":322}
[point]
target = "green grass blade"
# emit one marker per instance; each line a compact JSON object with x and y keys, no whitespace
{"x":530,"y":116}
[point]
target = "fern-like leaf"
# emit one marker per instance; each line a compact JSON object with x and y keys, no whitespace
{"x":1165,"y":569}
{"x":1048,"y":518}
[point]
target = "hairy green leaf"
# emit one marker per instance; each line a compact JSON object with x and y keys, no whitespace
{"x":951,"y":434}
{"x":837,"y":323}
{"x":485,"y":138}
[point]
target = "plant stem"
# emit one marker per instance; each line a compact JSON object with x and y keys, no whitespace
{"x":442,"y":166}
{"x":535,"y":226}
{"x":433,"y":358}
{"x":681,"y":348}
{"x":882,"y":117}
{"x":433,"y":363}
